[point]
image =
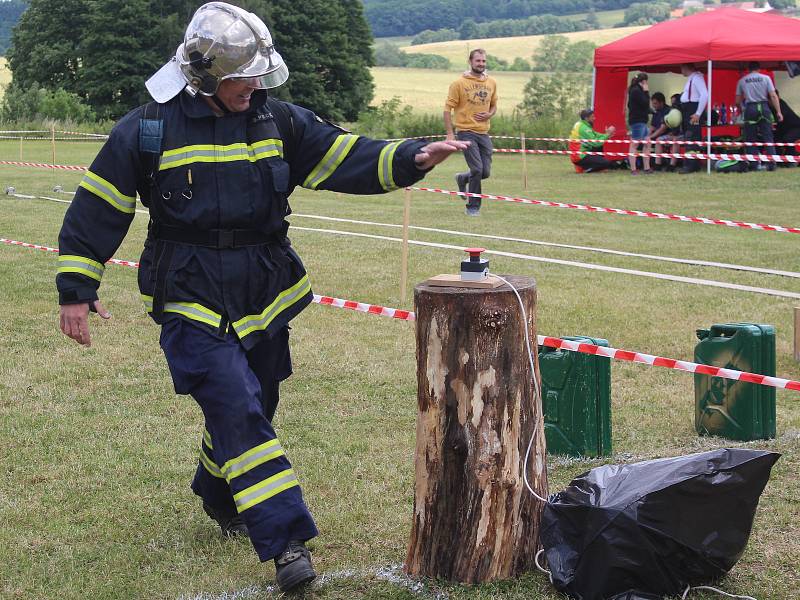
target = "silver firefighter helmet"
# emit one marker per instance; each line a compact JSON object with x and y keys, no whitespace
{"x":221,"y":42}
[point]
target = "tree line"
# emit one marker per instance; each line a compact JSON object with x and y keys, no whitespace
{"x":98,"y":53}
{"x":387,"y":19}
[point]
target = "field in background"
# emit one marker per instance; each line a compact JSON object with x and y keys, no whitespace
{"x":512,"y":47}
{"x":606,"y":18}
{"x":426,"y":89}
{"x":97,"y":451}
{"x":5,"y":75}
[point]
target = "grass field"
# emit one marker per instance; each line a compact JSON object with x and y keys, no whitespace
{"x":512,"y":47}
{"x":426,"y":89}
{"x":96,"y":451}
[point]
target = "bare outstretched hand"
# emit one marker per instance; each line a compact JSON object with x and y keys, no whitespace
{"x":435,"y":152}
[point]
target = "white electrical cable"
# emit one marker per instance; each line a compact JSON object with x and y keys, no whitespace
{"x":538,"y":393}
{"x":540,"y":567}
{"x":713,"y":589}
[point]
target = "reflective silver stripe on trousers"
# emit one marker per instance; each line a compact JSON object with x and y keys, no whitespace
{"x":240,"y":467}
{"x":267,"y":491}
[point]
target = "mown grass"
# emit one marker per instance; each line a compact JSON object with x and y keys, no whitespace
{"x":96,"y":451}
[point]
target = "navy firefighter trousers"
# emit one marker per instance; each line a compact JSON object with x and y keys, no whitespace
{"x":242,"y":466}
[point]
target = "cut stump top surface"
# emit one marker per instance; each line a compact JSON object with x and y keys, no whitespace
{"x":520,"y":282}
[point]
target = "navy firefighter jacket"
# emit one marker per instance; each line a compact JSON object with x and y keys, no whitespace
{"x":231,"y":176}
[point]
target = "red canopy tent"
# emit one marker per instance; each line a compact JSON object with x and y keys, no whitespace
{"x":719,"y":42}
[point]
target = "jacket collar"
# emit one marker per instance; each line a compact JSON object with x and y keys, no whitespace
{"x":197,"y":108}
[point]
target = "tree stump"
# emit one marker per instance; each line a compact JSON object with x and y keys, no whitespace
{"x":474,"y":520}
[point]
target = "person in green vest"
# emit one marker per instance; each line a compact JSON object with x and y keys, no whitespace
{"x":584,"y":138}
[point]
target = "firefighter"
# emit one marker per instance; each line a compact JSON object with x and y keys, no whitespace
{"x":215,"y":160}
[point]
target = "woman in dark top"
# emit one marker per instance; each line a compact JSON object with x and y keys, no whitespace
{"x":638,"y":116}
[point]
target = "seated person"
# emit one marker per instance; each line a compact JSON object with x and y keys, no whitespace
{"x":584,"y":130}
{"x":788,"y":130}
{"x":658,"y":129}
{"x":661,"y":132}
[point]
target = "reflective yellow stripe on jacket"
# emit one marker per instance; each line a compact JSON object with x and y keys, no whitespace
{"x":212,"y":153}
{"x":333,"y":158}
{"x":70,"y":263}
{"x":246,"y":325}
{"x":385,"y":166}
{"x":284,"y":300}
{"x":190,"y":310}
{"x":108,"y":192}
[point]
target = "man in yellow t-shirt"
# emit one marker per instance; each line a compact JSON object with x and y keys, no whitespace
{"x":473,"y":97}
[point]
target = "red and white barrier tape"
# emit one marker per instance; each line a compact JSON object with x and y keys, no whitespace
{"x":551,"y":342}
{"x":43,"y":165}
{"x":669,"y":363}
{"x":616,"y":211}
{"x":778,"y":158}
{"x":373,"y":309}
{"x":102,"y":136}
{"x":612,"y":141}
{"x":113,"y":261}
{"x":680,"y":142}
{"x":48,"y":139}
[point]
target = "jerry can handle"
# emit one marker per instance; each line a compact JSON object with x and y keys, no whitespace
{"x":702,"y":333}
{"x":726,"y":330}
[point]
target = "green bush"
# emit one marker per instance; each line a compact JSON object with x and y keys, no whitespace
{"x":428,"y":61}
{"x":37,"y":104}
{"x":393,"y":120}
{"x":429,"y":36}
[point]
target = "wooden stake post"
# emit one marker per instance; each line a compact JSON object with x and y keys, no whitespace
{"x":474,"y":520}
{"x":797,"y":333}
{"x":404,"y":256}
{"x":524,"y":162}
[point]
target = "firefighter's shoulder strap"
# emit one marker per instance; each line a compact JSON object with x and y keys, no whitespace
{"x":285,"y":123}
{"x":151,"y":137}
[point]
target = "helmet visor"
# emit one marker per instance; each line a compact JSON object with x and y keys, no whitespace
{"x":265,"y":72}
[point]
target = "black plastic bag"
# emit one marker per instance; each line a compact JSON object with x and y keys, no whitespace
{"x":653,"y":527}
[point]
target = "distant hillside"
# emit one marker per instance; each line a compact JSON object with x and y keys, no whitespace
{"x":10,"y":11}
{"x":391,"y":18}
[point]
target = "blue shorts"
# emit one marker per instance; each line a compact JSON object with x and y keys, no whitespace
{"x":639,"y":131}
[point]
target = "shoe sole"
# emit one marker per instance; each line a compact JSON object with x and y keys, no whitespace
{"x":300,"y":579}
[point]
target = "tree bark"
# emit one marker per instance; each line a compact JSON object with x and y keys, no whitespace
{"x":474,"y":520}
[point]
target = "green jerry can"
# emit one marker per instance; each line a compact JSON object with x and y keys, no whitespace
{"x":735,"y":409}
{"x":576,"y":400}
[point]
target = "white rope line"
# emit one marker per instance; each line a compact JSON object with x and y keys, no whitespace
{"x":713,"y":589}
{"x":569,"y":263}
{"x":684,"y":261}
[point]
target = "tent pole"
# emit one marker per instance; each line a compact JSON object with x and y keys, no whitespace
{"x":708,"y":116}
{"x":594,"y":79}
